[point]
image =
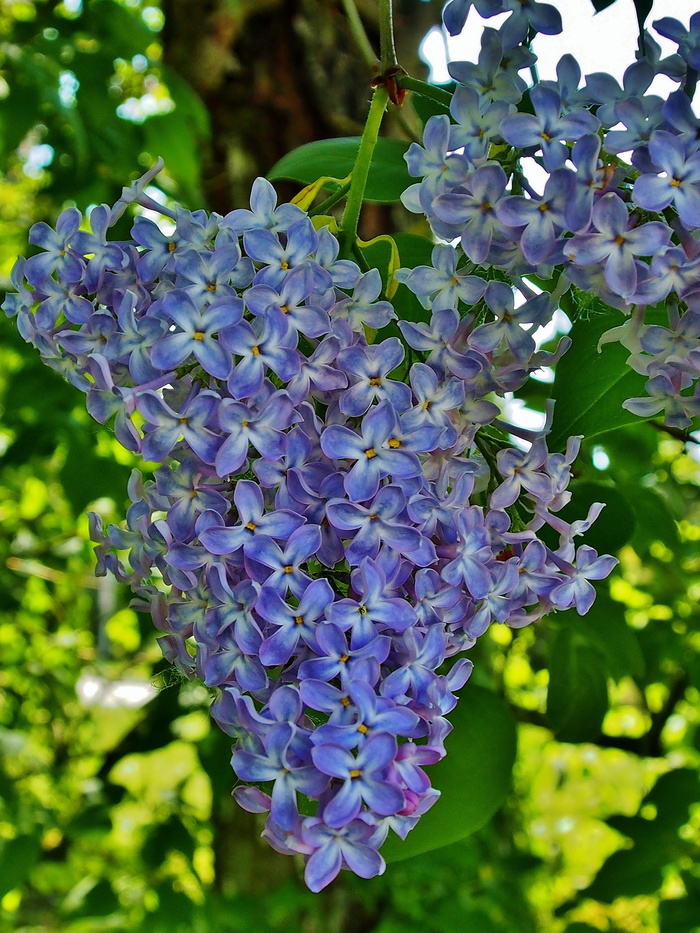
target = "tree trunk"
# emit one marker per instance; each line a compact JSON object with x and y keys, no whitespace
{"x":275,"y":74}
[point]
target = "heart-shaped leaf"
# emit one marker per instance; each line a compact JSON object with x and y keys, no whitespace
{"x":473,"y":779}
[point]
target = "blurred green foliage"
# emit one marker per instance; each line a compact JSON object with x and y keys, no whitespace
{"x":115,"y":810}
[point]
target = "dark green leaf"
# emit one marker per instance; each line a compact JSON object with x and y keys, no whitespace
{"x":679,"y":916}
{"x":96,"y":901}
{"x":602,"y":4}
{"x":639,"y":870}
{"x":631,"y":872}
{"x":388,"y":175}
{"x":426,"y":107}
{"x":577,"y":697}
{"x":414,"y":251}
{"x":17,"y":858}
{"x":171,"y":136}
{"x":473,"y":779}
{"x":654,"y":519}
{"x":605,"y":630}
{"x":87,"y":476}
{"x":165,"y":837}
{"x":613,"y":527}
{"x":673,"y":795}
{"x":590,"y":387}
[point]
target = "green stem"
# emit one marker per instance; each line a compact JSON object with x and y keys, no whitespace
{"x":348,"y":231}
{"x":386,"y":36}
{"x":359,"y":33}
{"x":331,"y":200}
{"x":425,"y":89}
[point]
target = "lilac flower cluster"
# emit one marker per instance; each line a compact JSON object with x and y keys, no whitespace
{"x":333,"y":519}
{"x":623,"y":229}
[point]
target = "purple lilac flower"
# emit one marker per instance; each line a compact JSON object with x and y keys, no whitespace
{"x":58,"y":255}
{"x":616,"y":244}
{"x":198,"y":327}
{"x":341,"y":577}
{"x":548,"y":129}
{"x":281,"y":569}
{"x":334,"y":849}
{"x":680,"y":184}
{"x":475,"y":212}
{"x":363,"y":776}
{"x":487,"y":77}
{"x":688,"y":40}
{"x":368,"y":368}
{"x":279,"y":765}
{"x":541,"y":219}
{"x":440,"y":285}
{"x":377,"y":452}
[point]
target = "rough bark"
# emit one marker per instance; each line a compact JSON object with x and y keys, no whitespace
{"x":275,"y":74}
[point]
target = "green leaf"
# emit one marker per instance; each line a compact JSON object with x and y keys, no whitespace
{"x":600,"y":5}
{"x":171,"y":136}
{"x":656,"y":843}
{"x":474,"y":778}
{"x":590,"y":387}
{"x":577,"y":697}
{"x":681,"y":915}
{"x":673,"y":795}
{"x":92,"y":897}
{"x":414,"y":251}
{"x":165,"y":837}
{"x":631,"y":872}
{"x":17,"y":858}
{"x":388,"y":174}
{"x":86,"y":476}
{"x":604,"y":629}
{"x":654,"y":519}
{"x":614,"y":526}
{"x":426,"y":107}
